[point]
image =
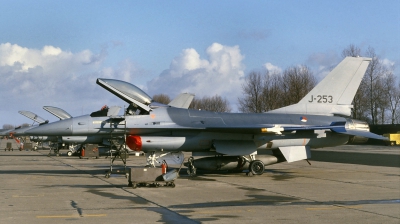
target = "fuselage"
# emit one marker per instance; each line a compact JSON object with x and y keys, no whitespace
{"x":175,"y":129}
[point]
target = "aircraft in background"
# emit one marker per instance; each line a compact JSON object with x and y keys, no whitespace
{"x":229,"y":141}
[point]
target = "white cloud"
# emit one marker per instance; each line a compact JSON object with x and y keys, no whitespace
{"x":220,"y":73}
{"x":273,"y":69}
{"x":32,"y":78}
{"x":388,"y":62}
{"x":50,"y":50}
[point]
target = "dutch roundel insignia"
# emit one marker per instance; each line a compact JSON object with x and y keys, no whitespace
{"x":303,"y":119}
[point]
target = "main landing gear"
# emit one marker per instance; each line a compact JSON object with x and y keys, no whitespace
{"x":256,"y":167}
{"x":191,"y":169}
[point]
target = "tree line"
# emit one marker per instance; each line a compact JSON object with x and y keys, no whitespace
{"x":376,"y":101}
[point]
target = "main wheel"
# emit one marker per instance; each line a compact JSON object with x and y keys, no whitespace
{"x":257,"y":167}
{"x":69,"y":153}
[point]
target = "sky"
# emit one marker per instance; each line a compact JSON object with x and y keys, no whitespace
{"x":52,"y":52}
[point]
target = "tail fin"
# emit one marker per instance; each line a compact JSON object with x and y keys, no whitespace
{"x":334,"y":94}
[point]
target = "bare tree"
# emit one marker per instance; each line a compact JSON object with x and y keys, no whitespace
{"x":397,"y":112}
{"x":162,"y":98}
{"x":377,"y":103}
{"x":264,"y":92}
{"x":297,"y":81}
{"x":8,"y":126}
{"x":272,"y":92}
{"x":252,"y":101}
{"x":392,"y":94}
{"x":215,"y":103}
{"x":351,"y":51}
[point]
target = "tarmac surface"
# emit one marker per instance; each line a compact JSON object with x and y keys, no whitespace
{"x":346,"y":184}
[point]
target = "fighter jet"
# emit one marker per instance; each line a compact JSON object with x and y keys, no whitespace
{"x":20,"y":131}
{"x":229,"y":141}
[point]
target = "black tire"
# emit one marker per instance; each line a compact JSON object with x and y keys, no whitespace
{"x":257,"y":167}
{"x":392,"y":143}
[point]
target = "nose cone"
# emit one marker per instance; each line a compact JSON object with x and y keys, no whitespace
{"x":58,"y":128}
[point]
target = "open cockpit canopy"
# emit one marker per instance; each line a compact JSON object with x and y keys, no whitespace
{"x":127,"y":92}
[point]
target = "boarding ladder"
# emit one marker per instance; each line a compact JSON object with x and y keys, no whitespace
{"x":115,"y":144}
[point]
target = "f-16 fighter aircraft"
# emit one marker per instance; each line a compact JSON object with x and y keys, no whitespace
{"x":230,"y":141}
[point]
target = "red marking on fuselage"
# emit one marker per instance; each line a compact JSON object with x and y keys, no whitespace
{"x":134,"y":142}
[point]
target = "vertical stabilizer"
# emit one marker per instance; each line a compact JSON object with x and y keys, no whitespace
{"x":335,"y":93}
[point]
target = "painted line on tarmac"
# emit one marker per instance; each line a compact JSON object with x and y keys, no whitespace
{"x":218,"y":211}
{"x":28,"y":196}
{"x":69,"y":216}
{"x":333,"y":207}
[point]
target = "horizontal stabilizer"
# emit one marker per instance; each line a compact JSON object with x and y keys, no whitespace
{"x":360,"y":133}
